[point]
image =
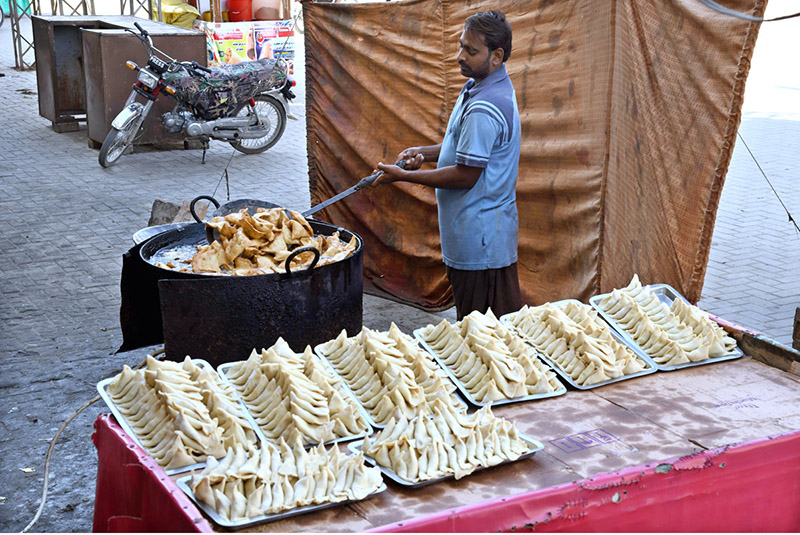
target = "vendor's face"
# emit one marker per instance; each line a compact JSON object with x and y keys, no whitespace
{"x":474,"y":57}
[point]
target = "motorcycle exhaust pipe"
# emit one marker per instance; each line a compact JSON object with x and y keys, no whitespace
{"x":228,"y":135}
{"x":217,"y":127}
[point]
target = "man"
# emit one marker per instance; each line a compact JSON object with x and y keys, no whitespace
{"x":476,"y":173}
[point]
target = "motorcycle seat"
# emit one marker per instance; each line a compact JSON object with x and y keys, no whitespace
{"x":225,"y":88}
{"x":262,"y":68}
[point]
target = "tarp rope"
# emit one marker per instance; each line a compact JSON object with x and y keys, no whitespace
{"x":791,"y":219}
{"x":225,"y":176}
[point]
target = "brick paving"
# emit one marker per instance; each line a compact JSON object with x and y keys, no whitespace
{"x":66,"y":222}
{"x":752,"y":277}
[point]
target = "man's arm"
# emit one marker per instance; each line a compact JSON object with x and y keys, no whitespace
{"x":451,"y":177}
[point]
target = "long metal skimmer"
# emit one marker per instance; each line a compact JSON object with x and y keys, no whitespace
{"x":363,"y":183}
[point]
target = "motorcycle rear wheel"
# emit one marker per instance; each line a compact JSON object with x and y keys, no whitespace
{"x":269,"y":109}
{"x":115,"y":144}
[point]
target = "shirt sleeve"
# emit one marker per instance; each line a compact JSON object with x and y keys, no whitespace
{"x":480,"y":131}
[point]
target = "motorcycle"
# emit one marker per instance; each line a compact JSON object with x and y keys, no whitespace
{"x":245,"y":104}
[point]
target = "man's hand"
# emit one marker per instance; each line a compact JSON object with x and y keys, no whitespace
{"x":413,"y":157}
{"x":391,"y":173}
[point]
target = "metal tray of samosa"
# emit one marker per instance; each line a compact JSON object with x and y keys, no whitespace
{"x":102,"y":389}
{"x":460,"y":405}
{"x":666,"y":294}
{"x":355,"y":447}
{"x":222,"y":369}
{"x":462,"y":390}
{"x":651,"y":365}
{"x":183,"y":484}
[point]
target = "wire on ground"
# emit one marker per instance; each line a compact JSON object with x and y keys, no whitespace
{"x":55,"y":439}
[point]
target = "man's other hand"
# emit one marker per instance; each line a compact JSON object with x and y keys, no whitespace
{"x":413,"y":157}
{"x":391,"y":173}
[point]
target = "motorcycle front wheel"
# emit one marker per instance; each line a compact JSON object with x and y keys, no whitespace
{"x":116,"y":142}
{"x":271,"y":113}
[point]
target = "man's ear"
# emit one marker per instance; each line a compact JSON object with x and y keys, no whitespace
{"x":497,"y":56}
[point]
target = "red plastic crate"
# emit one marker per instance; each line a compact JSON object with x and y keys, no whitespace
{"x":134,"y":494}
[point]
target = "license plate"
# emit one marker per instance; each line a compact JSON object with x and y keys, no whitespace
{"x":157,"y":63}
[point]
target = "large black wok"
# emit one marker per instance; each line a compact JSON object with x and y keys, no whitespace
{"x":221,"y":318}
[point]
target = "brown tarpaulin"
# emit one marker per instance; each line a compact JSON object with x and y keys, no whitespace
{"x":629,"y":110}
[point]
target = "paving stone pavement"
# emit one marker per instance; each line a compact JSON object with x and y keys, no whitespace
{"x":66,"y":222}
{"x":752,"y":277}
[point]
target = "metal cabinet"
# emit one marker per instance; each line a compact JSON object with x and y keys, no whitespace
{"x":81,"y":72}
{"x":108,"y":81}
{"x":59,"y":69}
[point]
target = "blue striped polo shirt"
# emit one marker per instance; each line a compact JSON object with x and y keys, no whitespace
{"x":479,"y":226}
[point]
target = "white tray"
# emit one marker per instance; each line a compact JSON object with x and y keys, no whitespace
{"x":102,"y":388}
{"x":666,"y":294}
{"x":466,"y":394}
{"x":651,"y":365}
{"x":222,"y":370}
{"x":183,"y":484}
{"x":355,"y":447}
{"x":460,"y":405}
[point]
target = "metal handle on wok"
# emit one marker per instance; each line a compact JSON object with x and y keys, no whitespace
{"x":302,"y":250}
{"x":201,"y":197}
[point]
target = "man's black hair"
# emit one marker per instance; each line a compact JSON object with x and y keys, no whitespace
{"x":494,"y":28}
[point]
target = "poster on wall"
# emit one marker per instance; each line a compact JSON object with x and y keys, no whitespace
{"x":234,"y":42}
{"x":275,"y":39}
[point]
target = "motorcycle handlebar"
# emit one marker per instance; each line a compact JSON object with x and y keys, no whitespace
{"x":148,"y":42}
{"x":143,"y":37}
{"x":200,"y":67}
{"x":141,"y":30}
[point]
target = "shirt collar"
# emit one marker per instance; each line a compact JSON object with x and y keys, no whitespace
{"x":496,"y":76}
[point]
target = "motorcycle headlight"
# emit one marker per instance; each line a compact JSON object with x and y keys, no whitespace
{"x":148,"y":79}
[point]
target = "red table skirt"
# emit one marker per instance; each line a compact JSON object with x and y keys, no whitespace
{"x":753,"y":486}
